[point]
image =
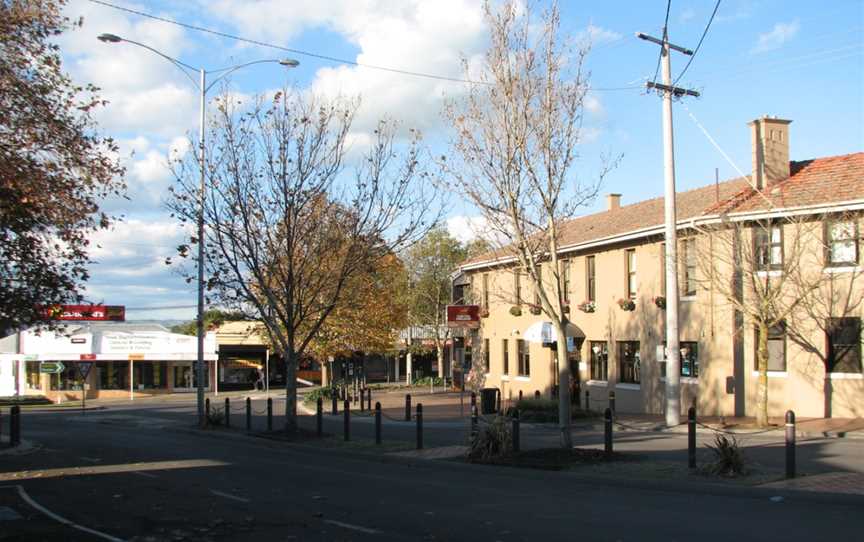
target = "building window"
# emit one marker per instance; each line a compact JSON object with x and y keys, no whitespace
{"x":68,"y":380}
{"x":34,"y":377}
{"x":468,"y":357}
{"x":590,"y":279}
{"x":629,"y":362}
{"x":776,"y":348}
{"x":524,"y":358}
{"x":844,"y":345}
{"x":768,"y":247}
{"x":486,"y":364}
{"x":631,"y":273}
{"x":688,"y":359}
{"x":689,"y":285}
{"x":565,"y":280}
{"x":599,"y":352}
{"x":114,"y":375}
{"x":517,"y":287}
{"x":841,"y":242}
{"x":485,"y":290}
{"x":505,"y":357}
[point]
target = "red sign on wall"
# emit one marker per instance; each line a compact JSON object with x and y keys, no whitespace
{"x":463,"y":316}
{"x":113,"y":313}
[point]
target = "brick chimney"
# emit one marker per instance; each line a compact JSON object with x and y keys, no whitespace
{"x":770,"y":140}
{"x":613,"y":202}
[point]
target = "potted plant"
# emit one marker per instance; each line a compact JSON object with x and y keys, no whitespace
{"x":587,"y":306}
{"x":516,"y":310}
{"x":484,"y":313}
{"x":660,"y":301}
{"x":534,"y":309}
{"x":627,"y":304}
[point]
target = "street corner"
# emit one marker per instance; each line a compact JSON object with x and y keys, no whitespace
{"x":23,"y":518}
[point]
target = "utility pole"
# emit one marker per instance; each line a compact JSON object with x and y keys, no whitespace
{"x":673,"y":347}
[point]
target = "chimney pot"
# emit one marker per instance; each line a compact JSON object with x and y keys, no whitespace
{"x":770,"y":149}
{"x":613,"y":202}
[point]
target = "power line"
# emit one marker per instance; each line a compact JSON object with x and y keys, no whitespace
{"x":310,"y":54}
{"x":698,"y":45}
{"x":665,"y":36}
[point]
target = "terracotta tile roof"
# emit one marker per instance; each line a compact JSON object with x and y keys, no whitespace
{"x":823,"y":180}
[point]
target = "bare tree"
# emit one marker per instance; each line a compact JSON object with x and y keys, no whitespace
{"x":289,"y":224}
{"x":517,"y":136}
{"x":773,"y":273}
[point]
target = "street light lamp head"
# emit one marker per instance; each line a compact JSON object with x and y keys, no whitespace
{"x":109,"y":38}
{"x":290,"y":62}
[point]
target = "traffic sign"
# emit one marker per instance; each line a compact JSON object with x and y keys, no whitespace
{"x":84,"y":368}
{"x":51,"y":367}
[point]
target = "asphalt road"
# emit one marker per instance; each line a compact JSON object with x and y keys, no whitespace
{"x":141,"y":473}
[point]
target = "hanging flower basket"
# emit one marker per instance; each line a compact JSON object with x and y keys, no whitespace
{"x":516,"y":310}
{"x":484,"y":313}
{"x":660,"y":301}
{"x":587,"y":306}
{"x":627,"y":304}
{"x":566,"y":308}
{"x":534,"y":309}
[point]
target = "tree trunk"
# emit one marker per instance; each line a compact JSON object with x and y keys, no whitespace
{"x":563,"y":386}
{"x":290,"y":388}
{"x":762,"y":385}
{"x":439,"y":348}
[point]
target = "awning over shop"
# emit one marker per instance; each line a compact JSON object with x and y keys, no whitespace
{"x":544,"y":333}
{"x":238,"y":363}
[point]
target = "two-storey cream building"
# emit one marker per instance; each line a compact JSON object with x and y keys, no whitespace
{"x":793,"y":218}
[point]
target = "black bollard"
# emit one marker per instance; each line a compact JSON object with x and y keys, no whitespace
{"x":248,"y":414}
{"x":419,"y":426}
{"x":474,"y":419}
{"x":612,"y":402}
{"x":473,"y":400}
{"x":377,"y":423}
{"x":227,"y":412}
{"x":516,"y":432}
{"x":334,"y":408}
{"x":536,"y":394}
{"x":790,"y":444}
{"x":362,"y":400}
{"x":15,"y":426}
{"x":608,"y":432}
{"x":269,"y":413}
{"x":347,"y":416}
{"x":407,"y":407}
{"x":691,"y":437}
{"x":587,"y":401}
{"x":369,"y":398}
{"x":319,"y":416}
{"x":207,"y":411}
{"x":520,"y":395}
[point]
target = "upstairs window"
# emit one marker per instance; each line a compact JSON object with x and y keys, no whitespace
{"x":517,"y":287}
{"x":841,"y":243}
{"x":768,"y":247}
{"x":505,"y":357}
{"x":565,"y":281}
{"x":486,"y":365}
{"x":486,"y":291}
{"x":688,"y":286}
{"x":524,"y":358}
{"x":590,"y":279}
{"x":631,"y":273}
{"x":776,"y":348}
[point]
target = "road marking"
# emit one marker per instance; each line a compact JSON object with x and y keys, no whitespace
{"x":91,"y":459}
{"x":144,"y":474}
{"x":61,"y":519}
{"x":366,"y":530}
{"x":229,"y":496}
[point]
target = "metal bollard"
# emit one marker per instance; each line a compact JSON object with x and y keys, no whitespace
{"x":516,"y":432}
{"x":474,"y":419}
{"x":377,"y":423}
{"x":536,"y":394}
{"x":248,"y":414}
{"x":319,"y":416}
{"x":520,"y":395}
{"x":334,"y":409}
{"x":15,"y":426}
{"x":369,"y":398}
{"x":612,"y":402}
{"x":407,"y":407}
{"x":790,"y":444}
{"x":269,"y":413}
{"x":587,"y":401}
{"x":362,"y":400}
{"x":419,"y":426}
{"x":691,"y":437}
{"x":206,"y":409}
{"x":227,"y":412}
{"x":347,"y":427}
{"x":608,"y":432}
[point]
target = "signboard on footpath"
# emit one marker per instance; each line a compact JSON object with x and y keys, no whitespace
{"x":467,"y":316}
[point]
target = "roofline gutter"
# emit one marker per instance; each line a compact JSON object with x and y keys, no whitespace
{"x":854,"y":205}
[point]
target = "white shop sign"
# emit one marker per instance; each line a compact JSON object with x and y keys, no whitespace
{"x":145,"y":343}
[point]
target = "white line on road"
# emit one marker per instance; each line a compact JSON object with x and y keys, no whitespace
{"x":61,"y":519}
{"x":366,"y":530}
{"x":91,"y":459}
{"x":228,"y":496}
{"x":144,"y":474}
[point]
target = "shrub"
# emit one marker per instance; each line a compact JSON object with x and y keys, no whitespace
{"x":491,"y":442}
{"x":543,"y":411}
{"x":215,"y":417}
{"x":436,"y":381}
{"x":326,"y":394}
{"x":729,"y":457}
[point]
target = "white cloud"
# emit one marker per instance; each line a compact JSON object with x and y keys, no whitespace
{"x":686,"y":15}
{"x":465,"y":228}
{"x":777,"y":37}
{"x":593,"y":105}
{"x":598,"y":35}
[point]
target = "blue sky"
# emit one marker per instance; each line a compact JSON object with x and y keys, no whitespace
{"x":798,"y":60}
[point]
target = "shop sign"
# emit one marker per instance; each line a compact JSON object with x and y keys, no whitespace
{"x":51,"y":367}
{"x":87,"y":357}
{"x":113,"y":313}
{"x":467,"y":316}
{"x":136,"y":357}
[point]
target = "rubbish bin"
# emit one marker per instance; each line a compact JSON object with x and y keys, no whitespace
{"x":489,"y":400}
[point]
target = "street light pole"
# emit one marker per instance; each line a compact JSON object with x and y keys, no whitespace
{"x":203,"y":88}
